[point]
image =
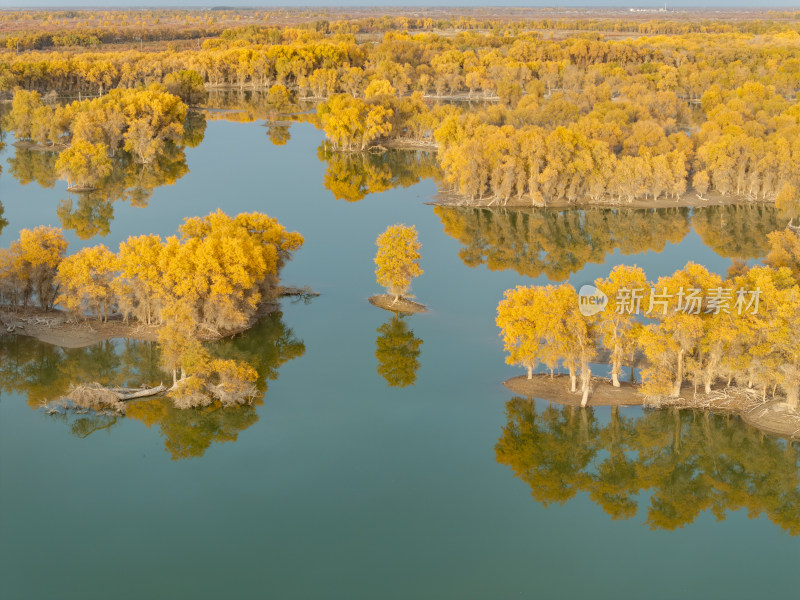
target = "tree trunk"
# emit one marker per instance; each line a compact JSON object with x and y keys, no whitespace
{"x":585,"y":396}
{"x":146,"y":393}
{"x":616,"y":366}
{"x":676,"y":388}
{"x":710,"y":372}
{"x":793,"y":396}
{"x":573,"y":380}
{"x":586,"y":378}
{"x":530,"y":372}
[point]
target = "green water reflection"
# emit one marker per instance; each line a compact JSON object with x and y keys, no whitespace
{"x":45,"y":373}
{"x":397,"y":351}
{"x":558,"y":243}
{"x":351,"y":176}
{"x":90,"y":214}
{"x":672,"y":464}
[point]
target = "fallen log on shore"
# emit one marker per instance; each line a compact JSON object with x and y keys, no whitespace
{"x":98,"y":397}
{"x":131,"y":394}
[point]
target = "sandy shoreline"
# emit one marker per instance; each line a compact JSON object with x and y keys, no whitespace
{"x":771,"y":416}
{"x":57,"y":328}
{"x":54,"y":327}
{"x":688,"y":200}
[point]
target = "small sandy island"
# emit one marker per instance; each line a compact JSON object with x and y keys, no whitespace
{"x":769,"y":415}
{"x":403,"y":305}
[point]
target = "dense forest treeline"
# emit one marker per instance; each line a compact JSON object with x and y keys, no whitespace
{"x":574,"y":120}
{"x":38,"y":29}
{"x":121,"y":145}
{"x":692,"y":325}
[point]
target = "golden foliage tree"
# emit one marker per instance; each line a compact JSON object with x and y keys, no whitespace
{"x":29,"y":266}
{"x":676,"y":302}
{"x":140,"y":285}
{"x":84,"y":165}
{"x":617,"y":324}
{"x":520,"y":317}
{"x":543,"y":325}
{"x":85,"y":282}
{"x":397,"y":259}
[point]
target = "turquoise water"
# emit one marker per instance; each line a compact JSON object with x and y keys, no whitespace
{"x":339,"y":485}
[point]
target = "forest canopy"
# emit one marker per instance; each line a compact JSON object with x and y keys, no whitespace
{"x":673,"y":109}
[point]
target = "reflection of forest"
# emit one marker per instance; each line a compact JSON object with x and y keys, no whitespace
{"x":687,"y":463}
{"x":244,"y":106}
{"x":557,"y":243}
{"x":90,"y":214}
{"x":352,"y":175}
{"x":3,"y":222}
{"x":397,"y":351}
{"x":738,"y":231}
{"x":45,"y":373}
{"x":29,"y":166}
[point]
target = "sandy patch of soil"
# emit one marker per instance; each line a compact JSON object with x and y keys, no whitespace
{"x":403,"y":305}
{"x":556,"y":389}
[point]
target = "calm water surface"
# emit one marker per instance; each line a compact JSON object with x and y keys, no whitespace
{"x":340,"y":485}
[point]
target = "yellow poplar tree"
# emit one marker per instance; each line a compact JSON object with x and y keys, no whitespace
{"x":34,"y":260}
{"x":544,"y":325}
{"x":397,"y":259}
{"x":617,"y":323}
{"x":84,"y":164}
{"x":785,"y":337}
{"x":520,"y":317}
{"x":570,"y":335}
{"x":140,"y":285}
{"x":680,"y":327}
{"x":85,"y":282}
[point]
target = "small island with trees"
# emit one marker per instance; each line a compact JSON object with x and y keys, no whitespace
{"x":212,"y":280}
{"x":397,"y":264}
{"x":706,"y":342}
